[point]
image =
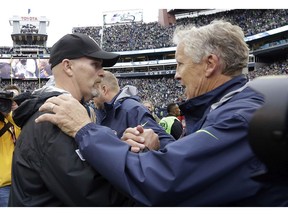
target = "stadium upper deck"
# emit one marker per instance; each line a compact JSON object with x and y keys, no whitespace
{"x":146,"y":48}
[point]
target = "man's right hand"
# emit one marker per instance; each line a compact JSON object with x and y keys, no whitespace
{"x":139,"y":138}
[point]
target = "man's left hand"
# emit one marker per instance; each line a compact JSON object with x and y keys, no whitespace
{"x":66,"y":112}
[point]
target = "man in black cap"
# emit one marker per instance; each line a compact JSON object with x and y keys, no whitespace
{"x":47,"y":168}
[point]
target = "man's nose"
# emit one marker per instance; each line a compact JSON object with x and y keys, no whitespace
{"x":177,"y":76}
{"x":100,"y":72}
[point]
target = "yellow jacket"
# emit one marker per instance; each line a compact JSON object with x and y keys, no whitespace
{"x":6,"y":151}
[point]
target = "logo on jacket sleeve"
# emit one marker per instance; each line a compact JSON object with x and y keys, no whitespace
{"x":79,"y":154}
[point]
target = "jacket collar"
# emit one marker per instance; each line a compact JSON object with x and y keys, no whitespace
{"x":198,"y":106}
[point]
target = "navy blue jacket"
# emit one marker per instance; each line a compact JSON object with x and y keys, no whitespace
{"x":125,"y":110}
{"x":213,"y":165}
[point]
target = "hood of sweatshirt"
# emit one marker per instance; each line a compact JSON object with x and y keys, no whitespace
{"x":32,"y":102}
{"x":126,"y":91}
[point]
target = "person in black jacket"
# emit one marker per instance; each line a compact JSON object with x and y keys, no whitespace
{"x":47,"y":168}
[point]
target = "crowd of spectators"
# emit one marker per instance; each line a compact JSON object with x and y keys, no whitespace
{"x":163,"y":90}
{"x":5,"y":50}
{"x":276,"y":68}
{"x":153,"y":35}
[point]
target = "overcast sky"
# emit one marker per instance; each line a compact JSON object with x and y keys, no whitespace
{"x":71,"y":13}
{"x":65,"y":16}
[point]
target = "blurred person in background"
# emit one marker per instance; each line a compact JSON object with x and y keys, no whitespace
{"x":171,"y":123}
{"x":151,"y":108}
{"x":120,"y":109}
{"x":9,"y":132}
{"x":16,"y":92}
{"x":5,"y":68}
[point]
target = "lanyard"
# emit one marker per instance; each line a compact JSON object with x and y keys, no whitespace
{"x":10,"y":127}
{"x":12,"y":132}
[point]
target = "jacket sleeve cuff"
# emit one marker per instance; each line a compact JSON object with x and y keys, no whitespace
{"x":83,"y":131}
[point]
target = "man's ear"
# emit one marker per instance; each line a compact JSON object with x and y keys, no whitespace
{"x":104,"y":89}
{"x":212,"y":63}
{"x":67,"y":67}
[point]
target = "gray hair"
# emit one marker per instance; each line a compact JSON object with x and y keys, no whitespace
{"x":220,"y":38}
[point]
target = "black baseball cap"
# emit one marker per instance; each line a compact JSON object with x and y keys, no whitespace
{"x":77,"y":45}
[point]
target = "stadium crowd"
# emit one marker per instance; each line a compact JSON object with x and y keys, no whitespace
{"x":152,"y":35}
{"x":160,"y":90}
